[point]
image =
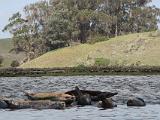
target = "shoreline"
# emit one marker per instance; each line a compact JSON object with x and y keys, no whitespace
{"x":76,"y":71}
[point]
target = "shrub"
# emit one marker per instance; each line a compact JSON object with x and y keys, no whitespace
{"x":158,"y":33}
{"x":150,"y":34}
{"x":98,"y":39}
{"x":14,"y":63}
{"x":154,"y":34}
{"x":102,"y":62}
{"x":81,"y":66}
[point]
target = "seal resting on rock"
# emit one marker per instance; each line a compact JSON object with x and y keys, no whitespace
{"x":139,"y":102}
{"x":53,"y":96}
{"x":82,"y":99}
{"x":95,"y":95}
{"x":40,"y":104}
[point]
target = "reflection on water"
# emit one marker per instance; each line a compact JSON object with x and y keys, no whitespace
{"x":122,"y":112}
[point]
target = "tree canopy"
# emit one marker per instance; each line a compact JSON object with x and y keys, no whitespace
{"x":48,"y":25}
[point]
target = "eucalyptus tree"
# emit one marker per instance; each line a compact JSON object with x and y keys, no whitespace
{"x":21,"y":34}
{"x":59,"y":25}
{"x":132,"y":16}
{"x":87,"y":18}
{"x":28,"y":31}
{"x":37,"y":15}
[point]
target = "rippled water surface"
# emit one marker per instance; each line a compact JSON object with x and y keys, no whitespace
{"x":147,"y":87}
{"x":150,"y":112}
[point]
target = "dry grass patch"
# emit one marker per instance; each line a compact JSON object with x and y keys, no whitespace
{"x":133,"y":49}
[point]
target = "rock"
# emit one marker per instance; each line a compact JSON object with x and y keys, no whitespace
{"x":53,"y":96}
{"x":84,"y":100}
{"x":40,"y":104}
{"x":3,"y":104}
{"x":107,"y":103}
{"x":136,"y":102}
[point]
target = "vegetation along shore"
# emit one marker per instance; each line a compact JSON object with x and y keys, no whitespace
{"x":71,"y":71}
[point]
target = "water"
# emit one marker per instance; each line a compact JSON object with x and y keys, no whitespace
{"x":122,"y":112}
{"x":147,"y":87}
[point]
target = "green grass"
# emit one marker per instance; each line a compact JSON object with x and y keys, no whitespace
{"x":102,"y":62}
{"x":140,"y":49}
{"x":5,"y":46}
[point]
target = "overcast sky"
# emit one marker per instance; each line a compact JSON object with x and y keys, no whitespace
{"x":8,"y":7}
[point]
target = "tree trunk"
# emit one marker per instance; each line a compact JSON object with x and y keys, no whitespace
{"x":116,"y":29}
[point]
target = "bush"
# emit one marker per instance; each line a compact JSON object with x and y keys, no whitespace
{"x":14,"y":63}
{"x":102,"y":62}
{"x":154,"y":34}
{"x":98,"y":39}
{"x":81,"y":66}
{"x":158,"y":33}
{"x":1,"y":60}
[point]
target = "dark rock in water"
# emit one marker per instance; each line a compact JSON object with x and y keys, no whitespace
{"x":139,"y":102}
{"x":41,"y":104}
{"x":84,"y":100}
{"x":107,"y":103}
{"x":3,"y":104}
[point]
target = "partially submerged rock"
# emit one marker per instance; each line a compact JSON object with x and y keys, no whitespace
{"x":3,"y":104}
{"x":139,"y":102}
{"x":53,"y":96}
{"x":41,"y":104}
{"x":108,"y":103}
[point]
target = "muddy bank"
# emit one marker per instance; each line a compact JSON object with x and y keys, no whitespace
{"x":146,"y":87}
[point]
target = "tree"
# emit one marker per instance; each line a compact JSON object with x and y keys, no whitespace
{"x":51,"y":24}
{"x":132,"y":16}
{"x":37,"y":15}
{"x":27,"y":33}
{"x":21,"y":34}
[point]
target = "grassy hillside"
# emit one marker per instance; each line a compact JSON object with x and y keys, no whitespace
{"x":5,"y":46}
{"x":134,"y":49}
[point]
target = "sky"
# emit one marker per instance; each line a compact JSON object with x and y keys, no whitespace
{"x":8,"y":7}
